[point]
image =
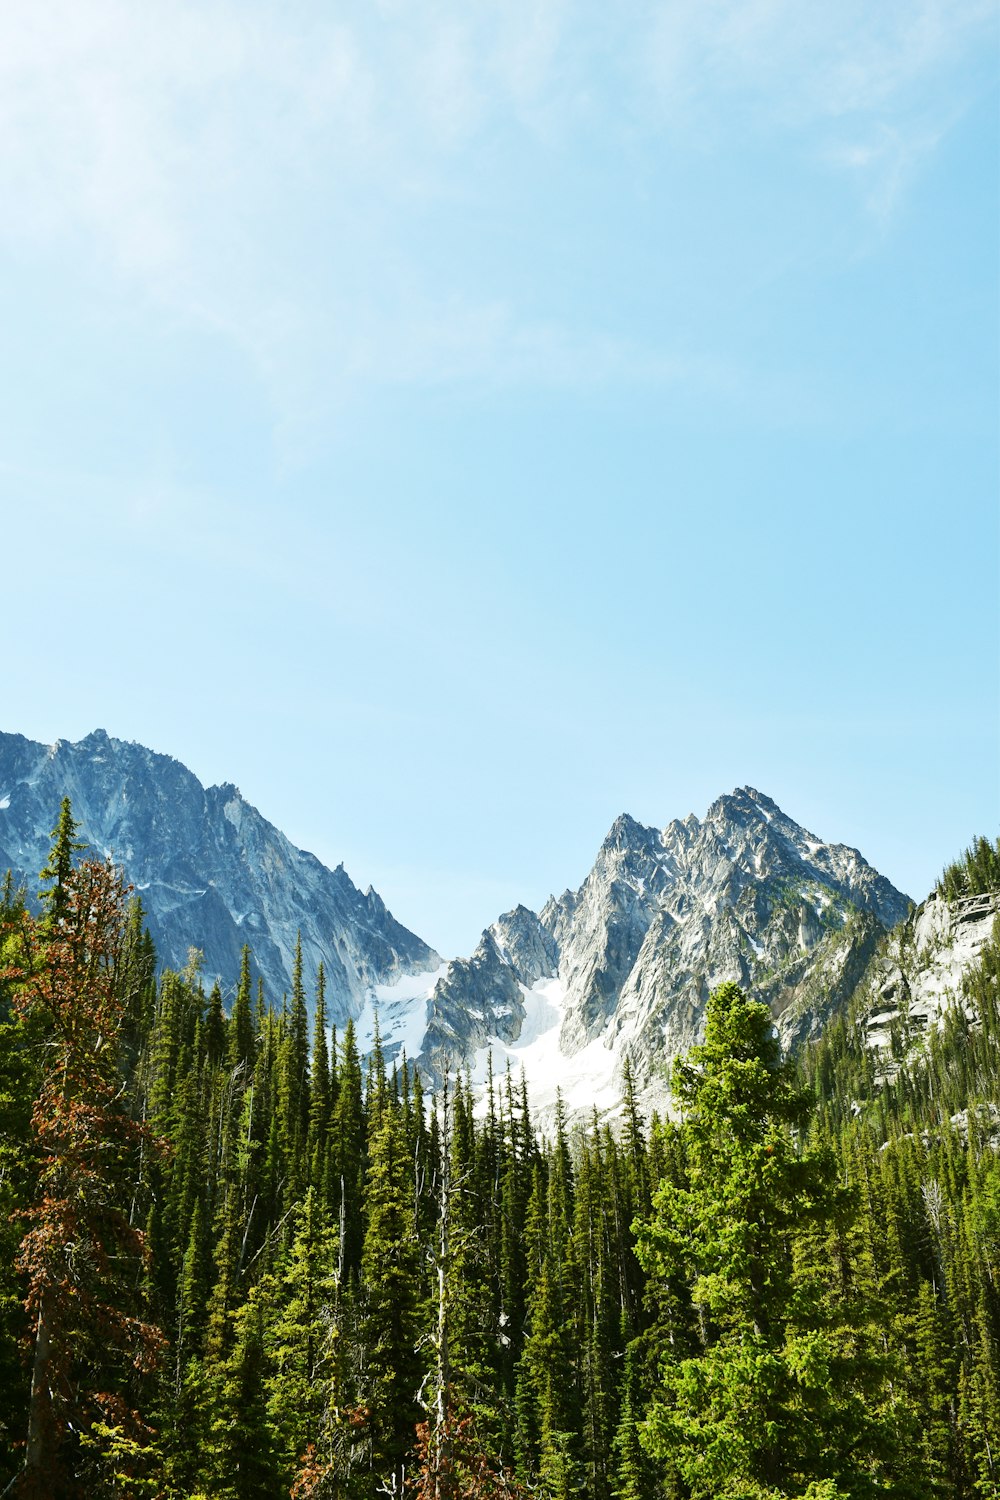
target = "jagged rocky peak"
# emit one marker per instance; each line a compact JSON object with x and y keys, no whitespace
{"x":746,"y":837}
{"x":524,"y":944}
{"x":627,"y":835}
{"x":211,"y":871}
{"x":623,"y":965}
{"x":598,"y":930}
{"x":476,"y":1002}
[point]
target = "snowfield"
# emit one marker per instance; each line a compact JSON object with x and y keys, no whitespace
{"x":585,"y":1080}
{"x":401,"y":1008}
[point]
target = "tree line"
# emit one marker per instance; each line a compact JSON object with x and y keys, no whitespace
{"x":240,"y":1261}
{"x":975,"y":873}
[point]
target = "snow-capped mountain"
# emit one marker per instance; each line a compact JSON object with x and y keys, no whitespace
{"x":211,"y":871}
{"x":623,"y":966}
{"x":620,"y":968}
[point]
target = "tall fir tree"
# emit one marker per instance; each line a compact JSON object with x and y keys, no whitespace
{"x":778,"y":1396}
{"x":81,"y":1254}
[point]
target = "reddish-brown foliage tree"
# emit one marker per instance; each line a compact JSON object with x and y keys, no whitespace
{"x":325,"y":1473}
{"x":453,"y":1463}
{"x":82,"y":1254}
{"x":313,"y":1476}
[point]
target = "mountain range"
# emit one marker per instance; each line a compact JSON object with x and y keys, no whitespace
{"x":211,"y":872}
{"x":617,"y":970}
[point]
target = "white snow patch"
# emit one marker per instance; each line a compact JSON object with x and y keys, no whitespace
{"x":409,"y":986}
{"x":499,"y":943}
{"x":401,"y":1008}
{"x":758,"y":948}
{"x":586,"y":1079}
{"x":4,"y":801}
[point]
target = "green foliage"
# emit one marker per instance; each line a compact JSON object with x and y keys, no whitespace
{"x":977,"y":871}
{"x":390,"y":1294}
{"x":59,"y":865}
{"x":18,"y":1086}
{"x":767,"y":1382}
{"x":82,"y":1255}
{"x":302,"y":1336}
{"x":793,"y":1292}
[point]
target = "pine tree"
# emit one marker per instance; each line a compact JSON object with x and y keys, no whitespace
{"x":301,"y":1333}
{"x":59,"y":867}
{"x":214,"y":1033}
{"x":391,"y":1296}
{"x":548,"y":1393}
{"x":244,"y":1463}
{"x":777,"y":1395}
{"x":597,"y":1313}
{"x":348,"y":1153}
{"x":636,"y":1474}
{"x":242,"y":1032}
{"x":81,"y":1251}
{"x":320,"y":1093}
{"x":293,"y":1084}
{"x":19,"y":1081}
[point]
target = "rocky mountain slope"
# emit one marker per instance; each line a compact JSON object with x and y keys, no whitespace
{"x":623,"y":966}
{"x":618,"y":969}
{"x":917,"y":974}
{"x":211,"y":871}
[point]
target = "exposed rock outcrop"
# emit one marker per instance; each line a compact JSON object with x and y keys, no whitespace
{"x":917,"y":976}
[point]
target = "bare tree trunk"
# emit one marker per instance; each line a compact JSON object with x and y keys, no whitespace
{"x":444,"y":1254}
{"x":38,"y":1456}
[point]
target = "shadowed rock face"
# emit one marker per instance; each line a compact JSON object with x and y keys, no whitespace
{"x":483,"y":996}
{"x":210,"y":870}
{"x":661,"y":920}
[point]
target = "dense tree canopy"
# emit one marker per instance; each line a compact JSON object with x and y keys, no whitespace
{"x":242,"y":1262}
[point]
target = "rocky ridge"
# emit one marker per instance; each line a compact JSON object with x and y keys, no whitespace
{"x":619,"y":969}
{"x":623,"y":966}
{"x":210,"y":870}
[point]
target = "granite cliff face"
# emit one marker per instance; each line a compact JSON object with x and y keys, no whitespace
{"x":623,"y":966}
{"x":917,"y":975}
{"x":211,"y":871}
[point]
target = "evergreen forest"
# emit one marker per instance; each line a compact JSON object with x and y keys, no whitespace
{"x":240,"y":1261}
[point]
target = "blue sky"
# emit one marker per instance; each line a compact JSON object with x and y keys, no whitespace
{"x":459,"y":424}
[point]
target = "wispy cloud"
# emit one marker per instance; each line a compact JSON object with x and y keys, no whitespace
{"x":867,"y":86}
{"x":795,"y":63}
{"x":122,"y":123}
{"x":885,"y":159}
{"x":267,"y":172}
